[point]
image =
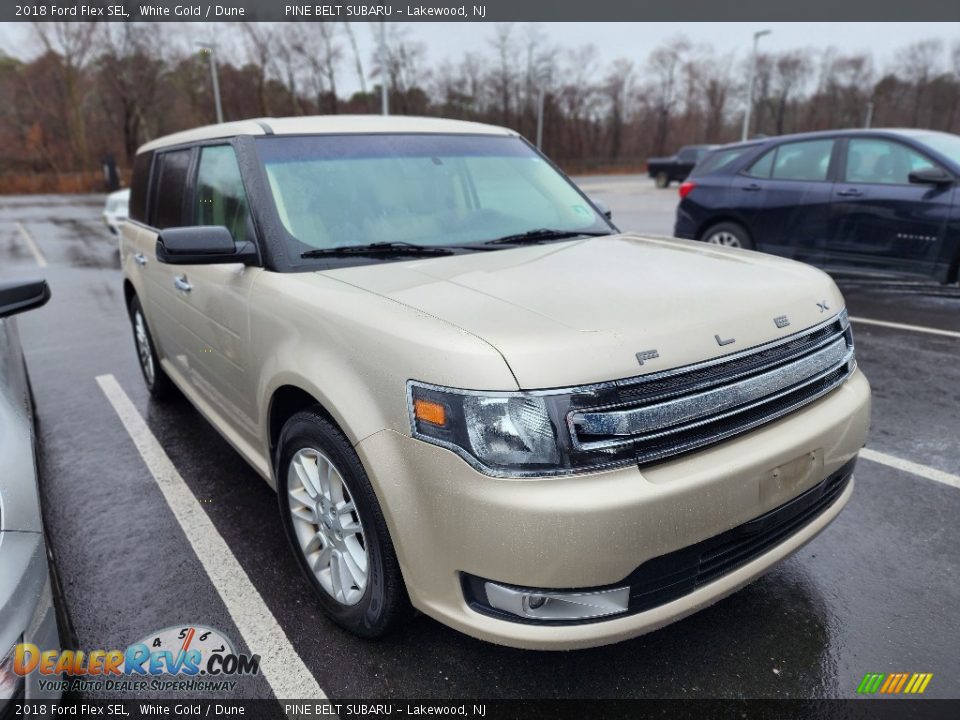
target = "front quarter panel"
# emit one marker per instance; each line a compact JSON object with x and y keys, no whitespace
{"x":354,"y":351}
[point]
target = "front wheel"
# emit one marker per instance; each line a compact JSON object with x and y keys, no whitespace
{"x":728,"y":234}
{"x":336,"y":528}
{"x":662,"y":180}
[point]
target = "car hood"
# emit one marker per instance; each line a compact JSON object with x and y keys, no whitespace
{"x":579,"y":312}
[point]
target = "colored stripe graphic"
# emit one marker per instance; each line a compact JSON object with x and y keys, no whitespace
{"x":891,"y":681}
{"x":894,"y":683}
{"x":903,"y":679}
{"x":870,"y":683}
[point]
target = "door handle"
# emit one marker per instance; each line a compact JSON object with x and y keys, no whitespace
{"x":752,"y":187}
{"x":140,"y":258}
{"x":850,"y":192}
{"x":180,"y":283}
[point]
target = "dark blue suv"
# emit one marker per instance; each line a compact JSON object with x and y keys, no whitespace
{"x":883,"y":202}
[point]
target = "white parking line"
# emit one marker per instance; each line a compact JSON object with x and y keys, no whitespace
{"x":911,"y":467}
{"x":280,"y":664}
{"x":903,"y":326}
{"x":31,"y":243}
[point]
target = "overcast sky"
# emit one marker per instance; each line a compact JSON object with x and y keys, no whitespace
{"x":624,"y":40}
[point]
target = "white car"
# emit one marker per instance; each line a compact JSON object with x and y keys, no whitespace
{"x":115,"y":210}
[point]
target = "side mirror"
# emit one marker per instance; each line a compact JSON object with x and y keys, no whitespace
{"x":203,"y":245}
{"x":602,"y":207}
{"x":18,"y":297}
{"x":931,"y":176}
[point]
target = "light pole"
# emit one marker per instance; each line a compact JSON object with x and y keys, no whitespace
{"x":753,"y":73}
{"x":209,"y":48}
{"x":868,"y":120}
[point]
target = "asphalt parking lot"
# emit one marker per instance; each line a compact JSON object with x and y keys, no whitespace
{"x":876,"y":592}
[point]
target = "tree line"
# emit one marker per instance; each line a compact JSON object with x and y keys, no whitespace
{"x":103,"y":89}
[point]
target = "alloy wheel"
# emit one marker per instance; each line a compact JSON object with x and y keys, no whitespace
{"x":327,"y":526}
{"x":144,"y":351}
{"x":725,"y":238}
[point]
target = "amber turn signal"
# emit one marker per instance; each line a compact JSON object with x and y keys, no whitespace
{"x":430,"y":412}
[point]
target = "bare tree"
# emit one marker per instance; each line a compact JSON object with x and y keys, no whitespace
{"x":665,"y":65}
{"x":405,"y":69}
{"x":130,"y":69}
{"x":316,"y":45}
{"x":503,"y":74}
{"x":261,"y":42}
{"x":73,"y":44}
{"x":617,"y":87}
{"x":358,"y":63}
{"x":715,"y":88}
{"x":289,"y":61}
{"x":918,"y":64}
{"x":790,"y":72}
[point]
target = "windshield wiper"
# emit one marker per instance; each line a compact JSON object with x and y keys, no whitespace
{"x":377,"y":248}
{"x":540,"y":234}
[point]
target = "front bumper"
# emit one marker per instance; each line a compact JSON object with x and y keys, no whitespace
{"x":595,"y":530}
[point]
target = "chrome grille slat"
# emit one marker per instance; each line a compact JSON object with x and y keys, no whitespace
{"x":715,"y":401}
{"x":720,"y":398}
{"x":730,"y":375}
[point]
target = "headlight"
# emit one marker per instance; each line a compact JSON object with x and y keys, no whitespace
{"x":10,"y":682}
{"x":510,"y":434}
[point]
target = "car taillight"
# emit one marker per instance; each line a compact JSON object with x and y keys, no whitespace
{"x":686,"y":187}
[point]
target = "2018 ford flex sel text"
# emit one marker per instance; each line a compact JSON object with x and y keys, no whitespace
{"x":473,"y":394}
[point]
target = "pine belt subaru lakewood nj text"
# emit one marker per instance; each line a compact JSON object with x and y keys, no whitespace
{"x":472,"y":393}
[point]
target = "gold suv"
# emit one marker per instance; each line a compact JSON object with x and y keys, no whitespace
{"x":472,"y":393}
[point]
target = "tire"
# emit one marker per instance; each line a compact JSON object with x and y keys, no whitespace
{"x":662,"y":180}
{"x":331,"y":525}
{"x":157,"y":381}
{"x":728,"y":234}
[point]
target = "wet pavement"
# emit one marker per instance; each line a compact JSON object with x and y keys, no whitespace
{"x":876,"y":592}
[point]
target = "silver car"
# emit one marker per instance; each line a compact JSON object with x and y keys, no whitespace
{"x":27,"y":611}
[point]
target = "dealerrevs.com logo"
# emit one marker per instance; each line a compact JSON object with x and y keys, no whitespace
{"x":188,"y":658}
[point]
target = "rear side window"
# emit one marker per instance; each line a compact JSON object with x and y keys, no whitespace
{"x":806,"y":160}
{"x":138,"y":188}
{"x":220,"y":196}
{"x":170,"y":182}
{"x":762,"y":167}
{"x":718,"y":161}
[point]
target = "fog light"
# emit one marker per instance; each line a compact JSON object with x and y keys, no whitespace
{"x":540,"y":605}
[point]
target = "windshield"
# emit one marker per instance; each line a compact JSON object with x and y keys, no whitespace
{"x":434,"y":190}
{"x":946,"y":145}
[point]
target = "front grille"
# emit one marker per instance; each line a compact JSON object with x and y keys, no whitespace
{"x":669,"y":413}
{"x":671,"y":576}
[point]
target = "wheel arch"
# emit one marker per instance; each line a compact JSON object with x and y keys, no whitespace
{"x":285,"y":402}
{"x":720,"y":219}
{"x":129,"y":293}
